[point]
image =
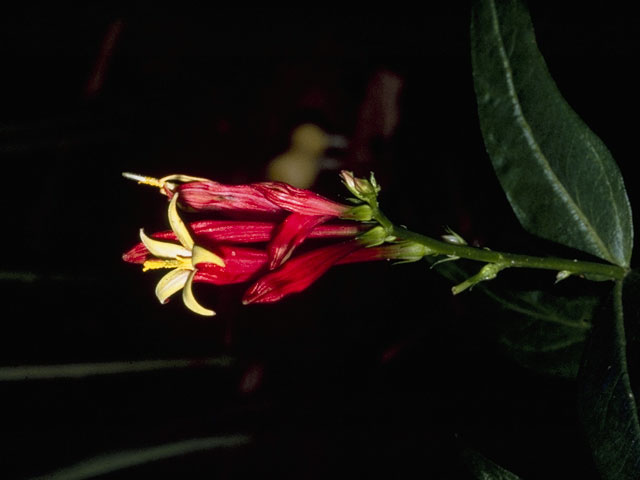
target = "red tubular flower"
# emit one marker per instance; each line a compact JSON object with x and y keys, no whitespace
{"x":209,"y":233}
{"x":264,"y":197}
{"x":289,"y":234}
{"x":195,"y":254}
{"x":300,"y":201}
{"x":208,"y":195}
{"x":208,"y":251}
{"x":201,"y":194}
{"x":298,"y":273}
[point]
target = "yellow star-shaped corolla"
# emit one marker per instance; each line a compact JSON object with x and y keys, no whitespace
{"x":181,"y":258}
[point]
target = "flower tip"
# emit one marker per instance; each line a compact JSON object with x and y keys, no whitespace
{"x":255,"y":294}
{"x":190,"y":300}
{"x":132,"y":176}
{"x":348,"y":178}
{"x":249,"y":296}
{"x":129,"y":257}
{"x":142,"y":179}
{"x":260,"y":298}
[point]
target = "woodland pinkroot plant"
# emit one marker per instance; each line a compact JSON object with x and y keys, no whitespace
{"x":562,"y":184}
{"x":210,"y":256}
{"x":209,"y":251}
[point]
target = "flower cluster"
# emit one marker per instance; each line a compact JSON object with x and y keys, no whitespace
{"x":260,"y":244}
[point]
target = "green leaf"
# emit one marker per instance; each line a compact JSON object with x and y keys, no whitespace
{"x":607,"y":406}
{"x":544,"y":332}
{"x":484,"y":469}
{"x":559,"y":177}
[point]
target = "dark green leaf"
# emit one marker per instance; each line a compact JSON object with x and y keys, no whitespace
{"x":545,"y":332}
{"x":559,"y":177}
{"x":542,"y":331}
{"x":607,"y":404}
{"x":484,"y":469}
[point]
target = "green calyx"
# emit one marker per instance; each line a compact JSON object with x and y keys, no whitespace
{"x":409,"y":252}
{"x":374,"y":237}
{"x":361,"y":213}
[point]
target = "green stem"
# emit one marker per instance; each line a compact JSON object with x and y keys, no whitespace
{"x":507,"y":260}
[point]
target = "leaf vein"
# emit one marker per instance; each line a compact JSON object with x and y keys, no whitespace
{"x":583,"y":222}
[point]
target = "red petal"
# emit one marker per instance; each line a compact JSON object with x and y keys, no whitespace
{"x":137,"y":254}
{"x":298,"y":200}
{"x":241,"y":265}
{"x":213,"y":231}
{"x":297,"y":274}
{"x":216,"y":196}
{"x":289,"y":234}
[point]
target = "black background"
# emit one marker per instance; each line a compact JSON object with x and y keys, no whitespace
{"x":215,"y":93}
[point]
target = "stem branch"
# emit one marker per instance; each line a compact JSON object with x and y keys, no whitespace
{"x":506,"y":260}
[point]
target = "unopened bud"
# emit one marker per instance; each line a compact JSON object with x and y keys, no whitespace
{"x":453,"y":238}
{"x":363,"y":189}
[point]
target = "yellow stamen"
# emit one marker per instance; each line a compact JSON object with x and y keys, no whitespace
{"x":158,"y":263}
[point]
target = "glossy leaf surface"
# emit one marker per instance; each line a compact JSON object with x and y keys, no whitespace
{"x":559,"y":177}
{"x":608,"y":388}
{"x":543,"y":331}
{"x":484,"y":469}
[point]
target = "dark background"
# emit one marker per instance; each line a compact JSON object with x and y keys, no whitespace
{"x":376,"y":369}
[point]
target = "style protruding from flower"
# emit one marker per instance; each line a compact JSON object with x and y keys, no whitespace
{"x":209,"y":250}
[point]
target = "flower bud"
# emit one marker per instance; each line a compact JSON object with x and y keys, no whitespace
{"x":453,"y":238}
{"x":363,"y":189}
